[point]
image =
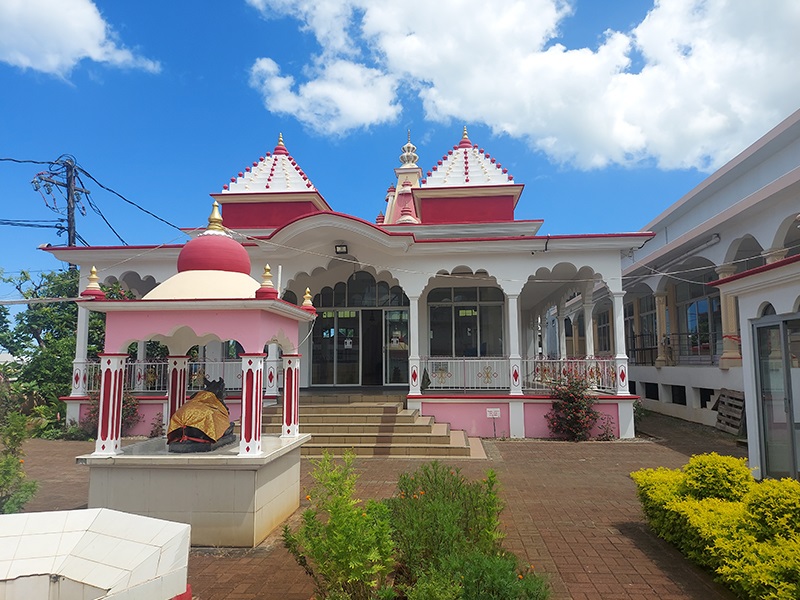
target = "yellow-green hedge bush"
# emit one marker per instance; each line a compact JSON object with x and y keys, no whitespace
{"x":716,"y":476}
{"x":747,"y":532}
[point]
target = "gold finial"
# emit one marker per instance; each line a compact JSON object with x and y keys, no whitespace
{"x":93,"y":280}
{"x":465,"y":136}
{"x":266,"y":278}
{"x":215,"y":220}
{"x":280,"y":139}
{"x":307,"y":298}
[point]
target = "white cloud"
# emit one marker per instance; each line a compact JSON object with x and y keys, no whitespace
{"x":689,"y":86}
{"x":341,"y":96}
{"x":52,"y":36}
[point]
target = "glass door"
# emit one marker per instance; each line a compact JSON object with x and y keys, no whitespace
{"x":347,"y":348}
{"x":322,"y":351}
{"x":396,"y":344}
{"x":777,"y":375}
{"x":792,"y":329}
{"x":335,"y":357}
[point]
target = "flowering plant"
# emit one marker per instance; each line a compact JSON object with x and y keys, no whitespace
{"x":572,"y":416}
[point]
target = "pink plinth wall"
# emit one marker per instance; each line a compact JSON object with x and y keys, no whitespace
{"x":471,"y":417}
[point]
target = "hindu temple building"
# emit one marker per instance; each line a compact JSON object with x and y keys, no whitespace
{"x":446,"y":298}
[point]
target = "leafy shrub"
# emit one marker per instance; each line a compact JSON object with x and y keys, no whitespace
{"x":715,"y":476}
{"x":15,"y":488}
{"x":345,"y":545}
{"x":130,"y":415}
{"x":572,"y":416}
{"x":656,"y":488}
{"x":773,"y":508}
{"x":46,"y":420}
{"x":696,"y":525}
{"x":438,"y":512}
{"x":749,"y":534}
{"x":75,"y":433}
{"x":436,"y":584}
{"x":496,"y":577}
{"x":768,"y":569}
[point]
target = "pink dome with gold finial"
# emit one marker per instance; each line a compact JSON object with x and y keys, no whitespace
{"x":214,"y":250}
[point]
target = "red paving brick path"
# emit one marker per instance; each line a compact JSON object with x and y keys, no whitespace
{"x":571,"y":511}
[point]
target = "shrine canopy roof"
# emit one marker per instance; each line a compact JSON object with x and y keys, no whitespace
{"x":212,"y":296}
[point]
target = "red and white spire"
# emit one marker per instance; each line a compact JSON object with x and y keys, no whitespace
{"x":466,"y":165}
{"x":275,"y":172}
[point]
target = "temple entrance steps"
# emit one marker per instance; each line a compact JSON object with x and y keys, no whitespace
{"x":370,"y":428}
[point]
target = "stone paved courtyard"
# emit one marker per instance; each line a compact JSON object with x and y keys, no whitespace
{"x":571,"y":512}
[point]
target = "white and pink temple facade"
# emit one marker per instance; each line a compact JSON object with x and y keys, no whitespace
{"x":445,"y":298}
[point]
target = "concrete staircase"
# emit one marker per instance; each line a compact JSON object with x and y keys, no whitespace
{"x":370,"y":425}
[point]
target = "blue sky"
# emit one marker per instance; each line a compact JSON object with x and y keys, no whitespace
{"x":607,"y":115}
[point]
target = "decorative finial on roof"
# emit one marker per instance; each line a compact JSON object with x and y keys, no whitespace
{"x":465,"y":143}
{"x":215,"y":219}
{"x":93,"y":287}
{"x":267,"y":291}
{"x":307,"y":304}
{"x":409,"y":156}
{"x":281,"y":147}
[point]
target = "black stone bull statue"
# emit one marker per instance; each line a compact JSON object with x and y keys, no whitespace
{"x":203,"y":423}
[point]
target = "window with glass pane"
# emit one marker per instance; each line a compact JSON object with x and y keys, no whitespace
{"x":603,"y":341}
{"x":340,"y":294}
{"x":441,"y":326}
{"x":491,"y":323}
{"x":361,"y":289}
{"x":384,"y":294}
{"x":466,"y":330}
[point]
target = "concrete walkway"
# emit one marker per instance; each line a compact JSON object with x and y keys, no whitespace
{"x":571,"y":512}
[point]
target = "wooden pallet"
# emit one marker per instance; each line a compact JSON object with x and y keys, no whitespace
{"x":730,"y":410}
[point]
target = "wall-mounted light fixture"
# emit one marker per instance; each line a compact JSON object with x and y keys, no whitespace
{"x":340,"y":248}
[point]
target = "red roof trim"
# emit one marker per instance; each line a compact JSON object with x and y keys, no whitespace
{"x":755,"y":270}
{"x":539,"y":237}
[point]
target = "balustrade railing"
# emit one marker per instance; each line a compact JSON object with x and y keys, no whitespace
{"x":153,"y":376}
{"x":460,"y":373}
{"x":541,"y":373}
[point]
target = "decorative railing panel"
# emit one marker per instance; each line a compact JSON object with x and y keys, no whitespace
{"x":458,"y":373}
{"x":153,"y":376}
{"x":541,"y":373}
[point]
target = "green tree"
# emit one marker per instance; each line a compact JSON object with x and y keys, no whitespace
{"x":43,"y":334}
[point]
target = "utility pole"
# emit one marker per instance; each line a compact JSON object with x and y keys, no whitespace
{"x":70,"y":177}
{"x":47,"y":179}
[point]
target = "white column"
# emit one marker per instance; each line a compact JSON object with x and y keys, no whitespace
{"x":731,"y":356}
{"x":252,"y":390}
{"x":661,"y":327}
{"x":515,"y":360}
{"x":271,"y":370}
{"x":620,"y":358}
{"x":415,"y":374}
{"x":290,"y":426}
{"x":79,"y":367}
{"x":588,"y":324}
{"x":138,"y":372}
{"x":562,"y":332}
{"x":109,"y":417}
